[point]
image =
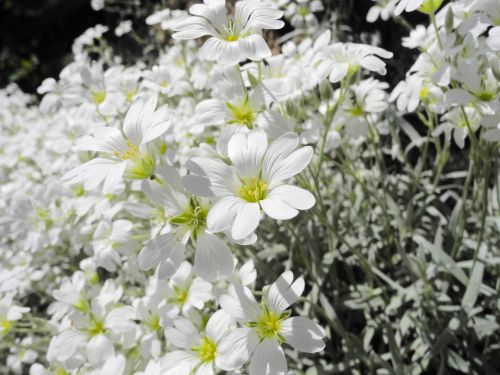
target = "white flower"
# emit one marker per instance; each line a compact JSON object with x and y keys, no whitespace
{"x":340,"y":59}
{"x":154,"y":314}
{"x":407,"y":6}
{"x":129,"y":154}
{"x":123,"y":28}
{"x":382,"y":9}
{"x":164,"y":79}
{"x":187,"y":216}
{"x":197,"y":350}
{"x":108,"y":240}
{"x":97,"y":4}
{"x":9,"y":314}
{"x":458,"y":124}
{"x":164,"y":253}
{"x":255,"y":181}
{"x":478,"y":84}
{"x":233,"y":38}
{"x":95,"y":329}
{"x":186,"y":291}
{"x":418,"y":38}
{"x":302,"y":14}
{"x":238,"y":109}
{"x":166,"y":18}
{"x":407,"y":94}
{"x":265,"y":327}
{"x":369,"y":99}
{"x":71,"y":293}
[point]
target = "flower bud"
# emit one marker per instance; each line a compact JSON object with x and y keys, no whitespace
{"x":450,"y":18}
{"x":325,"y":90}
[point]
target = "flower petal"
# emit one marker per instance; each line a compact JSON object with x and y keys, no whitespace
{"x":303,"y":334}
{"x":222,"y":214}
{"x":294,"y":196}
{"x":268,"y":359}
{"x":246,"y":221}
{"x":246,"y":153}
{"x":284,"y":291}
{"x":212,"y":258}
{"x":218,"y":325}
{"x":290,"y":166}
{"x":277,"y":209}
{"x":236,"y":348}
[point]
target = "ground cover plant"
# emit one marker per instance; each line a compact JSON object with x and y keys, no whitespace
{"x":257,"y":191}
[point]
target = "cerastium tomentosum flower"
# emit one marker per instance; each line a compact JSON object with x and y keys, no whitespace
{"x":232,"y":38}
{"x":254,"y":179}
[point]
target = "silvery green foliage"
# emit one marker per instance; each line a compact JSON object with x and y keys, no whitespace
{"x":229,"y":207}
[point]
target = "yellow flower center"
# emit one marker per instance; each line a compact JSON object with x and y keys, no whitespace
{"x":97,"y":327}
{"x":353,"y":69}
{"x":303,"y":11}
{"x":242,"y":113}
{"x":143,"y":165}
{"x":180,"y":61}
{"x":268,"y":325}
{"x":180,"y":296}
{"x":231,"y":32}
{"x":357,"y":111}
{"x":132,"y":152}
{"x":98,"y":96}
{"x":253,"y":190}
{"x":206,"y":351}
{"x":231,"y":38}
{"x":5,"y":326}
{"x":130,"y":95}
{"x":81,"y":304}
{"x":424,"y":92}
{"x":153,"y":323}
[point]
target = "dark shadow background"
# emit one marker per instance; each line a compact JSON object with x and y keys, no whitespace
{"x":36,"y":35}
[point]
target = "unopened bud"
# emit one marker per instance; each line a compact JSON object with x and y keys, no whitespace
{"x":450,"y":20}
{"x":325,"y":90}
{"x":253,"y":80}
{"x":291,"y":109}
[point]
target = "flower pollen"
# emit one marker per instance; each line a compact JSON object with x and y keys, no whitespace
{"x":98,"y":96}
{"x":206,"y":351}
{"x":268,"y":325}
{"x":180,"y":296}
{"x":131,"y":153}
{"x":253,"y":190}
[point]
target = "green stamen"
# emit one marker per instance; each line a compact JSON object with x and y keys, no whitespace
{"x":253,"y":190}
{"x":268,"y":325}
{"x":194,"y":218}
{"x":97,"y":328}
{"x":242,"y":113}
